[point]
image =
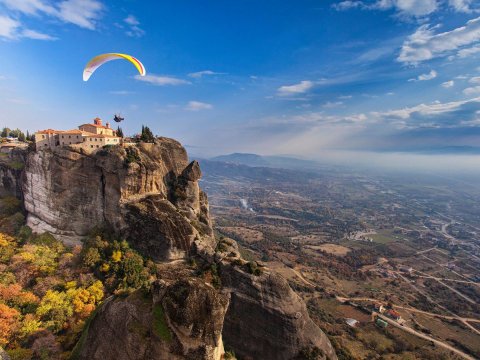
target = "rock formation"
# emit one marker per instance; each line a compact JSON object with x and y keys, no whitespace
{"x":149,"y":195}
{"x":68,"y":192}
{"x":181,"y":320}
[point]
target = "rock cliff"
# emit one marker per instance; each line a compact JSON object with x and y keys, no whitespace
{"x":11,"y":172}
{"x":180,"y":320}
{"x":149,"y":195}
{"x":133,"y":191}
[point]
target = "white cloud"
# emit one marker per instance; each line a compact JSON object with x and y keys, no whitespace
{"x":425,"y":44}
{"x":32,"y":34}
{"x":416,"y":8}
{"x":331,"y":105}
{"x":475,"y":90}
{"x":159,"y":80}
{"x":474,"y":80}
{"x":83,"y":13}
{"x":448,"y":84}
{"x":300,"y":88}
{"x":467,"y":52}
{"x":134,"y":28}
{"x":131,"y":20}
{"x":461,"y":5}
{"x":436,"y":108}
{"x":121,"y":92}
{"x":425,"y":77}
{"x":347,"y":5}
{"x":200,"y":74}
{"x":197,"y":106}
{"x":8,"y":27}
{"x":29,"y":7}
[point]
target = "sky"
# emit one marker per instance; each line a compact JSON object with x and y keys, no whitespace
{"x":305,"y":77}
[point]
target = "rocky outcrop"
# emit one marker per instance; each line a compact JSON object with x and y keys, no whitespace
{"x":148,"y":194}
{"x":181,"y":320}
{"x":11,"y":172}
{"x":4,"y":355}
{"x":266,"y":319}
{"x":156,"y":228}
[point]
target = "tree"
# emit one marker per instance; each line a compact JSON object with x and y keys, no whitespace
{"x":8,"y":320}
{"x":5,"y":132}
{"x":147,"y":135}
{"x":91,"y":257}
{"x":55,"y":309}
{"x":119,"y":132}
{"x":132,"y":271}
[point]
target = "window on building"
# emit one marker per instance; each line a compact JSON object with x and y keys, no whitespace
{"x":69,"y":137}
{"x":43,"y":137}
{"x":45,"y":144}
{"x":91,"y":146}
{"x":98,"y":146}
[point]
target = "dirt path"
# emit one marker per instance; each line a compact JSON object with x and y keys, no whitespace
{"x":463,"y":320}
{"x":425,"y":337}
{"x":409,"y":329}
{"x":301,"y":277}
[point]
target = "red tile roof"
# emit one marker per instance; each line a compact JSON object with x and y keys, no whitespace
{"x":97,"y":126}
{"x":101,"y":136}
{"x":49,"y":131}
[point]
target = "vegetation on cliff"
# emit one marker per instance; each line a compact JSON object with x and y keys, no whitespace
{"x":48,"y":291}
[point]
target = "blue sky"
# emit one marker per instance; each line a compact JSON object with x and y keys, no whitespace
{"x":272,"y":77}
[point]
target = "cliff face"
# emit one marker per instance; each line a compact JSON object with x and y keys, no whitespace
{"x":272,"y":314}
{"x":149,"y":194}
{"x":11,"y":172}
{"x":180,"y":320}
{"x":68,"y":192}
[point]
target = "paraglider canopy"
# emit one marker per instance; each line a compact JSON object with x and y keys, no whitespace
{"x":99,"y":60}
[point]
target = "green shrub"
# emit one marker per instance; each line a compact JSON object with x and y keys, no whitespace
{"x":160,"y":326}
{"x":9,"y":205}
{"x":46,"y":239}
{"x":253,"y":268}
{"x":229,"y":355}
{"x":20,"y":354}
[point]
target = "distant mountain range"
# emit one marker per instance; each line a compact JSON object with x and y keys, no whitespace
{"x":266,"y":161}
{"x":458,"y":150}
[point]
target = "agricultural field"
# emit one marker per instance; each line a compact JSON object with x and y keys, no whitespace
{"x":354,"y":238}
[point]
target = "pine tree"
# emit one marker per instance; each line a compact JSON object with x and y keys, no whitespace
{"x":147,"y":135}
{"x":119,"y":132}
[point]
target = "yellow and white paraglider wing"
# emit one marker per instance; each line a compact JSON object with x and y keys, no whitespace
{"x":99,"y":60}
